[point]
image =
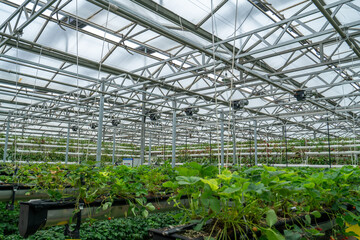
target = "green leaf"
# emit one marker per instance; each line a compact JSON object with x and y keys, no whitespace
{"x":291,"y":235}
{"x":271,"y":217}
{"x":269,"y":169}
{"x":307,"y":219}
{"x":182,"y":180}
{"x":309,"y":185}
{"x":212,"y":183}
{"x":150,"y":207}
{"x":168,"y":184}
{"x":316,"y":214}
{"x":230,"y":190}
{"x":106,"y":205}
{"x":272,"y":235}
{"x":215,"y":205}
{"x":145,"y":213}
{"x":346,"y":176}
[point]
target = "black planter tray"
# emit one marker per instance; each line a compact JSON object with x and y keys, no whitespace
{"x":36,"y":214}
{"x":172,"y":233}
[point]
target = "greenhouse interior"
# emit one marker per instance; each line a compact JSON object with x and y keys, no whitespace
{"x":191,"y":119}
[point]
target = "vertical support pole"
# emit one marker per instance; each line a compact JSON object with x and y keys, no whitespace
{"x":100,"y":123}
{"x":113,"y":153}
{"x":222,"y":139}
{"x":234,"y":140}
{"x":67,"y":144}
{"x":142,"y":137}
{"x":250,"y":150}
{"x":186,"y":149}
{"x":255,"y":142}
{"x":286,"y":148}
{"x":173,"y":135}
{"x":210,"y":146}
{"x":164,"y":144}
{"x":150,"y":149}
{"x":6,"y":139}
{"x":328,"y":137}
{"x":23,"y":130}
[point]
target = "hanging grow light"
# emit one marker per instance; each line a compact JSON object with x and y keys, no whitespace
{"x":93,"y":125}
{"x":115,"y":122}
{"x":74,"y":128}
{"x":239,"y":104}
{"x":301,"y":95}
{"x":191,"y":111}
{"x":153,"y":115}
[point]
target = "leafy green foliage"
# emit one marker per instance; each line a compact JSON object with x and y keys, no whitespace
{"x":132,"y":228}
{"x":9,"y":220}
{"x":255,"y":198}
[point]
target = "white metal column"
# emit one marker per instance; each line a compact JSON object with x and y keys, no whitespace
{"x":222,"y":139}
{"x":173,"y":159}
{"x":67,"y":144}
{"x":6,"y":139}
{"x":100,"y":124}
{"x":255,"y":142}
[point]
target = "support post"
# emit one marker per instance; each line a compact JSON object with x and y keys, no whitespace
{"x":67,"y":144}
{"x":173,"y":160}
{"x":255,"y":142}
{"x":142,"y":137}
{"x":222,"y":139}
{"x":113,"y":153}
{"x":286,"y":149}
{"x":6,"y":139}
{"x":186,"y":149}
{"x":150,"y":149}
{"x":100,"y":123}
{"x":328,"y":137}
{"x":234,"y":140}
{"x":210,"y":146}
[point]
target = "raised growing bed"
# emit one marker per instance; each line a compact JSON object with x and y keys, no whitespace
{"x":186,"y":232}
{"x":36,"y":214}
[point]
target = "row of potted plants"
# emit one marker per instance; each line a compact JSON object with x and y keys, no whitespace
{"x":222,"y":203}
{"x":267,"y":203}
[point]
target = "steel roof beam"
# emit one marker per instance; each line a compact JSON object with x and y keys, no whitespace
{"x":336,"y":25}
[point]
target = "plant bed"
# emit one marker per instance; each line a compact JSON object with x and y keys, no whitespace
{"x":269,"y":202}
{"x":177,"y":232}
{"x":323,"y":223}
{"x":37,"y":214}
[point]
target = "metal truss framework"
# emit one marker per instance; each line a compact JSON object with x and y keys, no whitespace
{"x":193,"y":75}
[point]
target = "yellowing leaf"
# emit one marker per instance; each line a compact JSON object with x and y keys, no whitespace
{"x":212,"y":183}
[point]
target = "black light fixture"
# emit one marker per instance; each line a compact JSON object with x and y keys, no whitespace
{"x":115,"y":122}
{"x":74,"y":128}
{"x":191,"y":111}
{"x":239,"y":104}
{"x":300,"y":95}
{"x":73,"y":21}
{"x":153,"y":115}
{"x":93,"y":125}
